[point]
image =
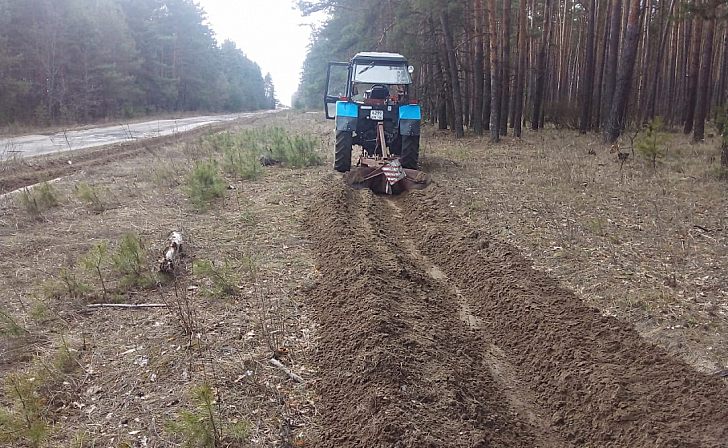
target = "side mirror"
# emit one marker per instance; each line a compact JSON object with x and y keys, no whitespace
{"x":410,"y":69}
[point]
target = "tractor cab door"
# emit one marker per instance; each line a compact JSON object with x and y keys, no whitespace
{"x":337,"y":83}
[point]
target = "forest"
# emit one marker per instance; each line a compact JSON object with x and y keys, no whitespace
{"x":498,"y":65}
{"x":74,"y":61}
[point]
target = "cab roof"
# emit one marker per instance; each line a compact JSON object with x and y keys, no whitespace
{"x":370,"y":56}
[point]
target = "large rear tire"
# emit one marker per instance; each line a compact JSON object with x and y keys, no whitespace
{"x":342,"y":156}
{"x":396,"y":147}
{"x":410,"y":151}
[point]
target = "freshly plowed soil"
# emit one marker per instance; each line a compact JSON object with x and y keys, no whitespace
{"x":432,"y":334}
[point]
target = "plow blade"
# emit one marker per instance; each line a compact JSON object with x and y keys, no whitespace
{"x":387,"y":178}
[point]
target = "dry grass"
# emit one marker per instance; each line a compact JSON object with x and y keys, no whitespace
{"x":647,"y":245}
{"x":139,"y":369}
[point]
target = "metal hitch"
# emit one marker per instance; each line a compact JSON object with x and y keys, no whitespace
{"x":385,"y":174}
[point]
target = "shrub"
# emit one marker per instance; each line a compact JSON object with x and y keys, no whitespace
{"x":38,"y":199}
{"x":223,"y":279}
{"x":202,"y":427}
{"x":92,"y":196}
{"x":94,"y":260}
{"x":9,"y":326}
{"x":25,"y":419}
{"x":297,"y":151}
{"x":130,"y":261}
{"x":204,"y":184}
{"x":242,"y":162}
{"x":652,"y":145}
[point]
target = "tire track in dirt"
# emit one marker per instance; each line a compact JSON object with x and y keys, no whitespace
{"x":513,"y":388}
{"x":433,"y":335}
{"x":601,"y":383}
{"x":397,"y":367}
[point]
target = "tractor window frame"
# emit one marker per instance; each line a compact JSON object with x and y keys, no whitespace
{"x":373,"y":73}
{"x":331,"y":97}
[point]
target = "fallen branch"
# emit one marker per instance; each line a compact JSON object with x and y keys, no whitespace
{"x":171,"y":253}
{"x":287,"y":371}
{"x":127,"y":305}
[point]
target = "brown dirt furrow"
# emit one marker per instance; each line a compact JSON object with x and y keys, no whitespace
{"x":600,"y":382}
{"x":397,"y":367}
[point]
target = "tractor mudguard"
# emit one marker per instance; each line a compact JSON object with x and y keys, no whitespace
{"x":409,"y":119}
{"x":346,"y":116}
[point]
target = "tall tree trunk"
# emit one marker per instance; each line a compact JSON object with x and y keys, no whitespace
{"x":650,"y":109}
{"x":724,"y":71}
{"x":441,"y":89}
{"x":457,"y":99}
{"x":612,"y":58}
{"x":487,"y":94}
{"x":521,"y":81}
{"x":703,"y":103}
{"x":672,"y":73}
{"x":601,"y":58}
{"x":505,"y":97}
{"x":538,"y":92}
{"x":694,"y":73}
{"x":683,"y":69}
{"x":588,"y":84}
{"x":624,"y":75}
{"x":494,"y":75}
{"x":478,"y":69}
{"x":646,"y":52}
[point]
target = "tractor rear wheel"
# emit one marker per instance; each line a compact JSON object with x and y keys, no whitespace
{"x":410,"y":151}
{"x":342,"y":156}
{"x":396,"y":147}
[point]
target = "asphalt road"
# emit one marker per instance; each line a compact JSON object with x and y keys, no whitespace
{"x":35,"y":145}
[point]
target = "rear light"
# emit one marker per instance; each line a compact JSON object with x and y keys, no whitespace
{"x":413,"y":101}
{"x":344,"y":98}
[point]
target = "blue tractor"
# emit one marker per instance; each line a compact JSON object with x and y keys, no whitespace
{"x":369,"y":97}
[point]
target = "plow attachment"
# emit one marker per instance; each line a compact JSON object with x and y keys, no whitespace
{"x":386,"y":176}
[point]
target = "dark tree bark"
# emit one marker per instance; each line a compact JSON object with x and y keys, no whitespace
{"x":538,"y":91}
{"x":441,"y":90}
{"x":724,"y":71}
{"x":650,"y":109}
{"x":684,"y":70}
{"x":457,"y":99}
{"x":610,"y":75}
{"x":646,"y":52}
{"x":601,"y":57}
{"x":694,"y":73}
{"x":486,"y":77}
{"x":478,"y":69}
{"x":588,"y":84}
{"x":521,"y":81}
{"x":494,"y":75}
{"x":703,"y":103}
{"x":624,"y":74}
{"x":672,"y":73}
{"x":506,"y":95}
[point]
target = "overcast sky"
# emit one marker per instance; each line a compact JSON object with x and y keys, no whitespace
{"x":269,"y":32}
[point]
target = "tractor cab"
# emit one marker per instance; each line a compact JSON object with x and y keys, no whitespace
{"x":370,"y":99}
{"x":369,"y":78}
